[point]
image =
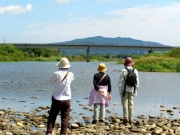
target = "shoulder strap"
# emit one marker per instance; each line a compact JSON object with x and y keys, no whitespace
{"x":127,"y":69}
{"x":102,"y":78}
{"x":65,"y":76}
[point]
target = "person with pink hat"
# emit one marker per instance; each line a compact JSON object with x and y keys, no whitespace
{"x":127,"y":92}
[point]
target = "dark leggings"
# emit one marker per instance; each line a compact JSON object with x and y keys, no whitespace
{"x":62,"y":106}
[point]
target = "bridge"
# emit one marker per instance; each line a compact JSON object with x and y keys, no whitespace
{"x":25,"y":46}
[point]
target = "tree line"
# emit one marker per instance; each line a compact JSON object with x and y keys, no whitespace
{"x":10,"y":53}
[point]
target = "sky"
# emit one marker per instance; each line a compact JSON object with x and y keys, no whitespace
{"x":48,"y":21}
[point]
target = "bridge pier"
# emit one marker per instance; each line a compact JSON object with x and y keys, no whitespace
{"x":25,"y":48}
{"x":87,"y":54}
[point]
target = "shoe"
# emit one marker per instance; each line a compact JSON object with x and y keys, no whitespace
{"x":131,"y":121}
{"x":48,"y":133}
{"x":102,"y":121}
{"x":126,"y":121}
{"x":94,"y":121}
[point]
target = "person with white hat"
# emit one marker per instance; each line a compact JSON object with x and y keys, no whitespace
{"x":61,"y":96}
{"x":100,"y":94}
{"x":128,"y":92}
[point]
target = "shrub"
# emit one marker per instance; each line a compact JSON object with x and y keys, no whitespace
{"x":10,"y":48}
{"x":157,"y":64}
{"x":173,"y":53}
{"x":178,"y":67}
{"x":4,"y":58}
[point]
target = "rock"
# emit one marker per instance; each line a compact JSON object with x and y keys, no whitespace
{"x":74,"y":126}
{"x":82,"y":105}
{"x":20,"y":124}
{"x":151,"y":127}
{"x":42,"y":126}
{"x":162,"y":106}
{"x":136,"y":130}
{"x":158,"y":131}
{"x":176,"y":107}
{"x":8,"y":133}
{"x":2,"y":113}
{"x":152,"y":116}
{"x":5,"y":97}
{"x":169,"y":111}
{"x":141,"y":117}
{"x":175,"y":124}
{"x":177,"y":131}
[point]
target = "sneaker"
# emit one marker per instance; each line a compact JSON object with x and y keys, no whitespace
{"x":47,"y":133}
{"x":126,"y":121}
{"x":94,"y":121}
{"x":102,"y":121}
{"x":131,"y":121}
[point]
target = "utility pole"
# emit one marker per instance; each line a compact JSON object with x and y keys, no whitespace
{"x":4,"y":39}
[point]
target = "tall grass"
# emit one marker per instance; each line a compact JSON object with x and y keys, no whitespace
{"x":158,"y":64}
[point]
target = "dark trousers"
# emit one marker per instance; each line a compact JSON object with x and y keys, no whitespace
{"x":57,"y":106}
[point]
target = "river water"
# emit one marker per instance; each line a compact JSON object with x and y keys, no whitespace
{"x":27,"y":86}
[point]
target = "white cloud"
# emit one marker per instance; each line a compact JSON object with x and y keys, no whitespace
{"x":148,"y":23}
{"x":16,"y":9}
{"x":64,"y":1}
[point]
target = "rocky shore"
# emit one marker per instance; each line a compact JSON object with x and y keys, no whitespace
{"x":34,"y":123}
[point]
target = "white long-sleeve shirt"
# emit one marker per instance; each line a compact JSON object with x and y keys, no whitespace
{"x":62,"y":90}
{"x":123,"y":76}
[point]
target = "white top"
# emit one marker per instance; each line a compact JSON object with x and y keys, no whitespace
{"x":123,"y":76}
{"x":62,"y":90}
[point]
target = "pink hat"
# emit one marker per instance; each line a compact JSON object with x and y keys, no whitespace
{"x":128,"y":62}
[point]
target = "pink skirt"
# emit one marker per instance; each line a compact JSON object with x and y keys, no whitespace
{"x":96,"y":97}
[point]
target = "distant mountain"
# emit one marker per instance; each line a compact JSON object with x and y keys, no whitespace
{"x":99,"y":40}
{"x":114,"y":41}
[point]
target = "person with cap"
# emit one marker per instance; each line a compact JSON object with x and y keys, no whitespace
{"x":61,"y":96}
{"x":100,"y":94}
{"x":127,"y":99}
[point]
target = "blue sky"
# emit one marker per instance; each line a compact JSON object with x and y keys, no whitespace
{"x":46,"y":21}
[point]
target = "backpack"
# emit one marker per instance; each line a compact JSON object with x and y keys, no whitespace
{"x":131,"y":78}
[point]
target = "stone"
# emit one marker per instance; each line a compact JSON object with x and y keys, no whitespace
{"x":74,"y":125}
{"x":158,"y":131}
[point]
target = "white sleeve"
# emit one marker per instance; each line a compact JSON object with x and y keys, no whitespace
{"x":53,"y":78}
{"x":121,"y":81}
{"x":136,"y":72}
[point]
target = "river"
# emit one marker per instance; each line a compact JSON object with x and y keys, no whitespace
{"x":26,"y":86}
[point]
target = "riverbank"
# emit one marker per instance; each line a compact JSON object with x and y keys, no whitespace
{"x":34,"y":123}
{"x":151,"y":62}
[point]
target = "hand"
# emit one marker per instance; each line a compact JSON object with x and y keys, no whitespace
{"x":101,"y":92}
{"x":109,"y":97}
